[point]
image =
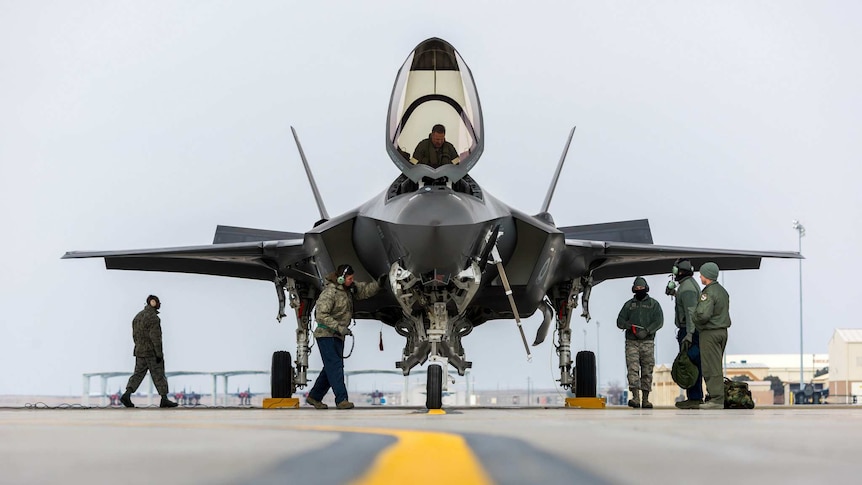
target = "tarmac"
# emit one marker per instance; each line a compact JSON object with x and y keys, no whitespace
{"x":788,"y":445}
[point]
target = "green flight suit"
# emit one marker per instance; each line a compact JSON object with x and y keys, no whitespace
{"x":426,"y":154}
{"x":687,"y":295}
{"x":641,"y":319}
{"x":712,"y":319}
{"x":686,"y":301}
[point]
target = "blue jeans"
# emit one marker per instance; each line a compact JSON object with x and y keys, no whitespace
{"x":695,"y":391}
{"x":332,"y":375}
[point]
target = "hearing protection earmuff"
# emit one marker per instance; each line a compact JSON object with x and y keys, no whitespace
{"x":678,"y":263}
{"x":343,"y":276}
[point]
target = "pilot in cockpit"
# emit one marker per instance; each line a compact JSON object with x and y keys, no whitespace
{"x":435,"y":151}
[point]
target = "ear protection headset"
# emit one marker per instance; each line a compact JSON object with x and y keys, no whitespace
{"x":678,"y":263}
{"x":343,"y":276}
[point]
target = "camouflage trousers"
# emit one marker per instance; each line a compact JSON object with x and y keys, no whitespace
{"x":640,"y":361}
{"x":157,"y":372}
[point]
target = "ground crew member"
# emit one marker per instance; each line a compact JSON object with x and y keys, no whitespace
{"x":435,"y":151}
{"x":147,"y":334}
{"x":712,"y":319}
{"x":687,"y":293}
{"x":640,"y":317}
{"x":334,"y":314}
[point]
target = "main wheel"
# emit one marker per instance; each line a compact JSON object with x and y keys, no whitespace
{"x":585,"y":374}
{"x":434,"y":387}
{"x":282,"y":375}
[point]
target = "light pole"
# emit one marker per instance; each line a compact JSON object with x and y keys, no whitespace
{"x":801,"y":230}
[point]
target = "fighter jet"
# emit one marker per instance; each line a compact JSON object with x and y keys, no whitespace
{"x":455,"y":257}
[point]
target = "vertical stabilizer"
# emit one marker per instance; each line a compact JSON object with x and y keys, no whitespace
{"x":317,"y":198}
{"x":556,"y":178}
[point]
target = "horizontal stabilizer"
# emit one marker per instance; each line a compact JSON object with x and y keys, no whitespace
{"x":610,"y":260}
{"x":636,"y":231}
{"x":230,"y":234}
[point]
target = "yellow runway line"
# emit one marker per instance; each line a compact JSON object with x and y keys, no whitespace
{"x":424,"y":458}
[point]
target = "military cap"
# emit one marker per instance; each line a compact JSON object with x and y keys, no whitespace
{"x":709,"y":270}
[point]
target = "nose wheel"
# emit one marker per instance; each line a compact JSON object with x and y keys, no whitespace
{"x":434,"y":387}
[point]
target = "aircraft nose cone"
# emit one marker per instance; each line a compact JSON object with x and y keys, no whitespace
{"x":438,"y":230}
{"x":437,"y":206}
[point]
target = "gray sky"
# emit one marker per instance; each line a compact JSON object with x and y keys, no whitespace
{"x":145,"y":124}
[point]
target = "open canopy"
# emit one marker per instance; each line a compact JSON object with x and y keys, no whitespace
{"x":434,"y":86}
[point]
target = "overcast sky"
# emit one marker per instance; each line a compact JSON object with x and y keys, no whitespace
{"x":145,"y":124}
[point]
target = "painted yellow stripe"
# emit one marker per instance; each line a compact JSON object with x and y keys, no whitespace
{"x":423,"y":457}
{"x":418,"y":457}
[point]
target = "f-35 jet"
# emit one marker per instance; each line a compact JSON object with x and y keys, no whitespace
{"x":456,"y":257}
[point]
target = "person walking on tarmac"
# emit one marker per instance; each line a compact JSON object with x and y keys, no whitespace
{"x":147,"y":334}
{"x":712,"y":319}
{"x":687,"y":293}
{"x":641,"y":317}
{"x":334,"y":314}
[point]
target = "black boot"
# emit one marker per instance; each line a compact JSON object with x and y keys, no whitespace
{"x":635,"y":401}
{"x":126,"y":399}
{"x":645,"y":402}
{"x":167,"y":403}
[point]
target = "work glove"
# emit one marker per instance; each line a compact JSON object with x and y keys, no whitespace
{"x":347,"y":332}
{"x":382,"y":279}
{"x":159,"y":360}
{"x":689,"y":338}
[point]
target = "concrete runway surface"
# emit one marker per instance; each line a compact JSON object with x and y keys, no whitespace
{"x":818,"y":444}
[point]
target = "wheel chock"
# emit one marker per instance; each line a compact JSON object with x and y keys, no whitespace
{"x":282,"y":402}
{"x":436,"y":411}
{"x":586,"y":402}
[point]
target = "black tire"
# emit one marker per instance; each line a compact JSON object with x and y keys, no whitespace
{"x":434,"y":388}
{"x":585,"y":374}
{"x":281,"y":375}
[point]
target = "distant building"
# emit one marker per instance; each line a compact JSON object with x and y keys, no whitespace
{"x":782,"y":366}
{"x":845,"y":371}
{"x":754,"y":368}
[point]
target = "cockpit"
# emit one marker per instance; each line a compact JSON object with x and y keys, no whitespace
{"x":434,"y":88}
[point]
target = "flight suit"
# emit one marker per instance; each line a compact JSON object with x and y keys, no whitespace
{"x":426,"y":154}
{"x":712,"y":319}
{"x":686,"y":300}
{"x":647,"y":318}
{"x":147,"y":334}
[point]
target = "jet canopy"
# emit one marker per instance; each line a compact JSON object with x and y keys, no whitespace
{"x":434,"y":87}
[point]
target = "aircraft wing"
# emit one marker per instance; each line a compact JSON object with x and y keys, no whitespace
{"x":253,"y":260}
{"x":611,"y":260}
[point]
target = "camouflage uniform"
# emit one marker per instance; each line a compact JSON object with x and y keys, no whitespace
{"x":334,"y":308}
{"x":640,"y":319}
{"x":334,"y":313}
{"x":147,"y":334}
{"x":426,"y":154}
{"x":712,"y":319}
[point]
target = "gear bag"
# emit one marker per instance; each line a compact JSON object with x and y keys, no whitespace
{"x":737,"y":395}
{"x":684,"y":371}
